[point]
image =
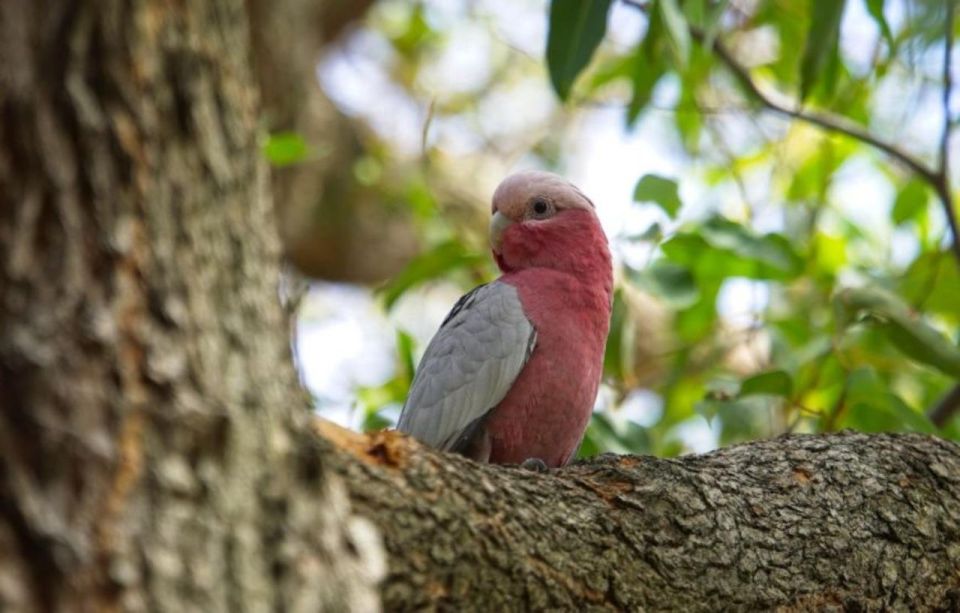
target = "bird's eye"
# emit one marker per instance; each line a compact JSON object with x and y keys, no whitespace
{"x":540,"y":208}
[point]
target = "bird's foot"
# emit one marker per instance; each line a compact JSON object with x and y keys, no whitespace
{"x":536,"y":465}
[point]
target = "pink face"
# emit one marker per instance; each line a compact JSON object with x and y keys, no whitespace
{"x":539,"y":219}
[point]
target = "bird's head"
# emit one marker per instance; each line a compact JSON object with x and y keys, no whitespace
{"x":541,"y":220}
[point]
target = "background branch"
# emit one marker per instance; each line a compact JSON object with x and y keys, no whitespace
{"x":937,"y":178}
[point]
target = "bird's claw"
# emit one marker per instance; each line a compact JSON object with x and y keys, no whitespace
{"x":536,"y":465}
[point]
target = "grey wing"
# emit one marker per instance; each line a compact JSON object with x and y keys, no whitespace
{"x":469,"y":366}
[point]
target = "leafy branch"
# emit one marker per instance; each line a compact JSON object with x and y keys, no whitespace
{"x":950,"y":403}
{"x":937,"y":178}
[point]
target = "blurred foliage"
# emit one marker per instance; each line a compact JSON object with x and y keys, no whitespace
{"x":854,"y":326}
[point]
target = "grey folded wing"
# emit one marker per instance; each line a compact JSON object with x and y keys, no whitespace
{"x":469,"y":366}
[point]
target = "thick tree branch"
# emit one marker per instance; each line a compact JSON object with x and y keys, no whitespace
{"x":847,"y":520}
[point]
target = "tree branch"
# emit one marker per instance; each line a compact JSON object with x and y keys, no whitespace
{"x":827,"y":122}
{"x":845,"y":520}
{"x":941,"y":413}
{"x":938,"y":179}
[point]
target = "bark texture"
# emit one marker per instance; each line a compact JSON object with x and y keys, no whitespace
{"x":846,"y":521}
{"x":153,"y":442}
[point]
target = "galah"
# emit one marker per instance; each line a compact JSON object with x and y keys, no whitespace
{"x":512,"y":374}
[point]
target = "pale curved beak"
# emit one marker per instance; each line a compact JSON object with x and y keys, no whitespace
{"x":498,"y":223}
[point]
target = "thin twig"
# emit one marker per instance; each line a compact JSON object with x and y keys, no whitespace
{"x":944,"y":410}
{"x":827,"y":122}
{"x":934,"y":177}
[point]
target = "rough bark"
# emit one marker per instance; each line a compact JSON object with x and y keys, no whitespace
{"x":846,"y":521}
{"x":152,"y":435}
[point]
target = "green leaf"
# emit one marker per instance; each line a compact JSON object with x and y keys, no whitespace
{"x":576,"y":28}
{"x":695,"y":322}
{"x":910,"y":202}
{"x":285,"y":149}
{"x":430,"y":265}
{"x":772,"y":383}
{"x":405,"y":354}
{"x":653,"y":234}
{"x":677,"y":31}
{"x":910,"y":334}
{"x":415,"y":36}
{"x":613,"y":362}
{"x":885,"y":413}
{"x":660,"y":190}
{"x":932,"y":281}
{"x":645,"y":77}
{"x":721,"y":248}
{"x":609,"y":71}
{"x":373,"y":421}
{"x":671,"y":282}
{"x":713,"y":22}
{"x":875,"y":8}
{"x":606,"y":434}
{"x":647,"y":67}
{"x":874,"y":408}
{"x":822,"y":42}
{"x":695,"y":11}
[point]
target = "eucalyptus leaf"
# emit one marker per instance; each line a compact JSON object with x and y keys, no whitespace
{"x":678,"y":33}
{"x":576,"y":28}
{"x":720,"y":248}
{"x":872,"y":407}
{"x":822,"y":44}
{"x":875,"y":8}
{"x":669,"y":281}
{"x":430,"y":265}
{"x":659,"y":190}
{"x":911,"y":201}
{"x":909,"y":333}
{"x":772,"y":383}
{"x":647,"y":67}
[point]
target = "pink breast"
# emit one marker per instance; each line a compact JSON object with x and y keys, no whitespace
{"x":546,"y":411}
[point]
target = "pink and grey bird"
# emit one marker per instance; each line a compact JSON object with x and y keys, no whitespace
{"x":513,"y":372}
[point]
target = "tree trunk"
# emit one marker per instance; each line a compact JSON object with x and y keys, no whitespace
{"x":157,"y":453}
{"x":154,"y":443}
{"x":845,"y":521}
